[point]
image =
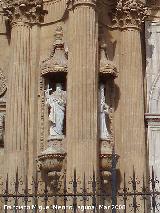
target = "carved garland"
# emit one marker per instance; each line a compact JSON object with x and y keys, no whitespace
{"x":42,"y":114}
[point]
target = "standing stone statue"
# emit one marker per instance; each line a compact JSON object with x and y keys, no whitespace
{"x":104,"y":115}
{"x":56,"y":102}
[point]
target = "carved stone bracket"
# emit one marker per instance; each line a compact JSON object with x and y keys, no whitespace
{"x":57,"y":62}
{"x":108,"y":161}
{"x":23,"y":10}
{"x":50,"y":163}
{"x":129,"y":14}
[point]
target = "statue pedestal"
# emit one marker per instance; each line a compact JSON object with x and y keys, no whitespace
{"x":50,"y":163}
{"x":108,"y":160}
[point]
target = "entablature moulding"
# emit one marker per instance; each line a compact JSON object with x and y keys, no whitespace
{"x":152,"y":119}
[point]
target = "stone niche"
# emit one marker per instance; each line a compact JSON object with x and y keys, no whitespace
{"x":54,"y":72}
{"x":107,"y":74}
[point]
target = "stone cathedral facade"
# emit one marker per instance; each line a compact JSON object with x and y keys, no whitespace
{"x":78,"y":78}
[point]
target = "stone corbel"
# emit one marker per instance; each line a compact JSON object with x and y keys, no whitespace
{"x":108,"y":161}
{"x":57,"y":61}
{"x":51,"y":164}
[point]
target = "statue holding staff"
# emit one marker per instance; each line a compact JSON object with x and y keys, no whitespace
{"x":56,"y":103}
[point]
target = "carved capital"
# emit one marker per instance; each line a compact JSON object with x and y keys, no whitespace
{"x":30,"y":11}
{"x":129,"y":14}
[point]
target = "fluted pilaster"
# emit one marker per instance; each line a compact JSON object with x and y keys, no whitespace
{"x":82,"y":90}
{"x":17,"y":116}
{"x":22,"y":85}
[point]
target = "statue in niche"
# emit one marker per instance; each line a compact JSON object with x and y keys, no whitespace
{"x":104,"y":115}
{"x":56,"y":103}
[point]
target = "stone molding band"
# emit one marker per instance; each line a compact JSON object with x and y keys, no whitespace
{"x":152,"y":119}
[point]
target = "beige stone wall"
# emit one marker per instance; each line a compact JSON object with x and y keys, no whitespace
{"x":80,"y":29}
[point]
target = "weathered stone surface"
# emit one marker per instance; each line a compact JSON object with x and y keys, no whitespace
{"x":80,"y":65}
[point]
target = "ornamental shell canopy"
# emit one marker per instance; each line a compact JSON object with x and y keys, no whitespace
{"x":57,"y":61}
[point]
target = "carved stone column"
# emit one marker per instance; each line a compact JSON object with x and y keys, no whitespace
{"x":21,"y":15}
{"x":128,"y":18}
{"x":82,"y":90}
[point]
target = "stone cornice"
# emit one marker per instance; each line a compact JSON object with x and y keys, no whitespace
{"x":129,"y":14}
{"x":30,"y":11}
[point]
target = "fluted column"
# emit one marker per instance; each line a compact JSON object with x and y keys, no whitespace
{"x":131,"y":141}
{"x":20,"y":104}
{"x":82,"y":90}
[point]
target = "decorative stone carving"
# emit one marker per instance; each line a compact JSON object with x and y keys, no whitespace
{"x":129,"y":13}
{"x":50,"y":163}
{"x":107,"y":67}
{"x":57,"y":62}
{"x":2,"y":117}
{"x":104,"y":114}
{"x":23,"y":10}
{"x":152,"y":119}
{"x":108,"y":162}
{"x":56,"y":102}
{"x":3,"y":86}
{"x":154,"y":3}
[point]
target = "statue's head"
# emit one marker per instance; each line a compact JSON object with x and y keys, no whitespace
{"x":58,"y":87}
